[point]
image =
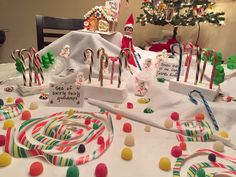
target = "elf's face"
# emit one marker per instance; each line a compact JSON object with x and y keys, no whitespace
{"x":128,"y":30}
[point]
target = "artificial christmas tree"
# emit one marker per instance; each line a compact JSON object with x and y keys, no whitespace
{"x":179,"y":13}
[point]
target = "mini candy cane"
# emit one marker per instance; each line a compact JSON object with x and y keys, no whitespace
{"x":199,"y":56}
{"x":213,"y":70}
{"x":125,"y":54}
{"x":91,"y":65}
{"x":210,"y":113}
{"x":208,"y":54}
{"x":119,"y":77}
{"x":188,"y":47}
{"x":30,"y":64}
{"x":101,"y":54}
{"x":113,"y":60}
{"x":180,"y":57}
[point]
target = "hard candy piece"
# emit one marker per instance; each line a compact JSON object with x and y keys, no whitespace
{"x":212,"y":157}
{"x":95,"y":126}
{"x":19,"y":100}
{"x":102,"y":110}
{"x":147,"y":128}
{"x":144,"y":100}
{"x":10,"y":100}
{"x":129,"y":140}
{"x":176,"y":151}
{"x":126,"y":154}
{"x":218,"y":146}
{"x":118,"y":116}
{"x":100,"y":140}
{"x":127,"y":127}
{"x":101,"y":170}
{"x":26,"y":115}
{"x":130,"y":105}
{"x":174,"y":116}
{"x":81,"y":148}
{"x":165,"y":164}
{"x":199,"y":117}
{"x":70,"y":112}
{"x":87,"y":121}
{"x":168,"y":123}
{"x":2,"y":140}
{"x":34,"y":106}
{"x":201,"y":172}
{"x":148,"y":111}
{"x":8,"y":124}
{"x":5,"y":159}
{"x":72,"y":171}
{"x":36,"y":169}
{"x":162,"y":80}
{"x":183,"y":146}
{"x":1,"y":102}
{"x":224,"y":134}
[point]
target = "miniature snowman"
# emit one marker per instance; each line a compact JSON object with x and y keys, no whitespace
{"x":65,"y":52}
{"x":88,"y":56}
{"x":79,"y":78}
{"x":147,"y":64}
{"x":141,"y":87}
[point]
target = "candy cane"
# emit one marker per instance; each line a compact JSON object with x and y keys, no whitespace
{"x":91,"y":66}
{"x":180,"y":57}
{"x":119,"y":77}
{"x":113,"y":59}
{"x":210,"y":113}
{"x":208,"y":54}
{"x":66,"y":144}
{"x":30,"y":64}
{"x":124,"y":55}
{"x":188,"y":47}
{"x":213,"y":70}
{"x":199,"y":51}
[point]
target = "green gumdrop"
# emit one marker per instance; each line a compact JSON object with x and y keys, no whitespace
{"x":102,"y":110}
{"x":231,"y":62}
{"x":51,"y":57}
{"x":219,"y":75}
{"x":201,"y":172}
{"x":148,"y":110}
{"x":19,"y":66}
{"x":72,"y":171}
{"x":45,"y":61}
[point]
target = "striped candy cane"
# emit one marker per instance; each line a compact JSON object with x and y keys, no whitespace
{"x":199,"y":56}
{"x":120,"y":68}
{"x":188,"y":47}
{"x":180,"y":57}
{"x":213,"y":70}
{"x":208,"y":54}
{"x":11,"y":111}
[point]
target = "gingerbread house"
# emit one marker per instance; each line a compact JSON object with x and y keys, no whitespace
{"x":99,"y":19}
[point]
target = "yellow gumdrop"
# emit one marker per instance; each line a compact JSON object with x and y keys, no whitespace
{"x":165,"y":164}
{"x":70,"y":112}
{"x":224,"y":134}
{"x":8,"y":124}
{"x":5,"y":159}
{"x":10,"y":100}
{"x":127,"y":154}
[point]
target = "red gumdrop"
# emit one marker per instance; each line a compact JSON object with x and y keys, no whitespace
{"x":118,"y":116}
{"x":26,"y":115}
{"x":174,"y":116}
{"x":101,"y":170}
{"x":176,"y":151}
{"x":2,"y":140}
{"x":199,"y":117}
{"x":19,"y":100}
{"x":183,"y":146}
{"x":127,"y":127}
{"x":36,"y":169}
{"x":87,"y":121}
{"x":100,"y":140}
{"x":130,"y":105}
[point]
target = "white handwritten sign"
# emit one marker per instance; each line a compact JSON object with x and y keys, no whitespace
{"x":65,"y":95}
{"x":167,"y":70}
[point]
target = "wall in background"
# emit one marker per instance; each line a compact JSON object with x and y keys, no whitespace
{"x":19,"y":18}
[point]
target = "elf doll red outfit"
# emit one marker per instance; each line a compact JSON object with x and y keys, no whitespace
{"x":127,"y":40}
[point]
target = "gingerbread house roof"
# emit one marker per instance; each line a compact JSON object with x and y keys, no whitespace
{"x":102,"y":10}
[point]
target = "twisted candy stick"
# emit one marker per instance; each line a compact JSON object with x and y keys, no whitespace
{"x":213,"y":70}
{"x":64,"y":144}
{"x":199,"y":56}
{"x":208,"y":54}
{"x":210,"y":113}
{"x":180,"y":57}
{"x":11,"y":111}
{"x":22,"y":61}
{"x":192,"y":170}
{"x":120,"y":68}
{"x":101,"y":56}
{"x":188,"y":47}
{"x":91,"y":66}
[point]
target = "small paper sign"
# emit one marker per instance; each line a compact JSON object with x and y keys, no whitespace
{"x":167,"y":70}
{"x":65,"y":95}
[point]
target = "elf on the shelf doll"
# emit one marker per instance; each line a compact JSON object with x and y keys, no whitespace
{"x":127,"y":41}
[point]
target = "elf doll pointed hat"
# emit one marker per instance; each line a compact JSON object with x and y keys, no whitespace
{"x":130,"y":21}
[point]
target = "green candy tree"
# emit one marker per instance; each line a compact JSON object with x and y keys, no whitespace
{"x":219,"y":75}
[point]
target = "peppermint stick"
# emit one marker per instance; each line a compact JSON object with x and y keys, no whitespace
{"x":120,"y":67}
{"x":22,"y":59}
{"x":210,"y":113}
{"x":91,"y":65}
{"x":113,"y":59}
{"x":180,"y":57}
{"x":199,"y":51}
{"x":189,"y":47}
{"x":208,"y":54}
{"x":213,"y":70}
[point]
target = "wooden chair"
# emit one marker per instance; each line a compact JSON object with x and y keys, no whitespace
{"x":52,"y":25}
